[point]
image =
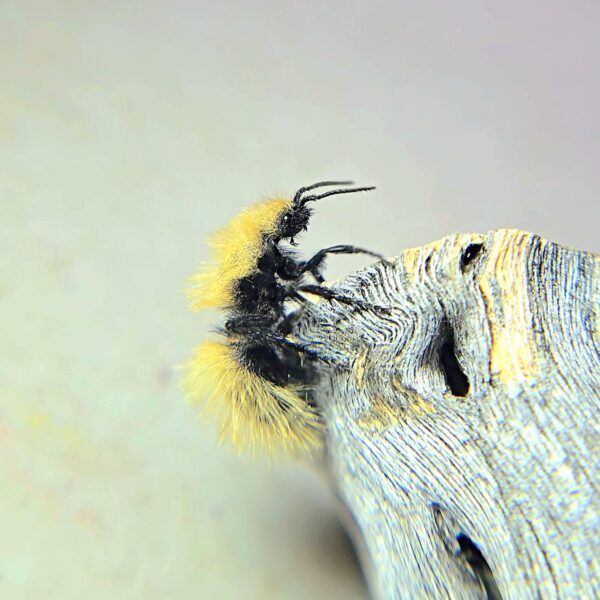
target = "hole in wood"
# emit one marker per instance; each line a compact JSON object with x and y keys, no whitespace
{"x":428,"y":264}
{"x":456,"y":380}
{"x":469,"y":255}
{"x":472,"y":554}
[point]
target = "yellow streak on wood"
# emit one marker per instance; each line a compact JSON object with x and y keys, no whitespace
{"x":413,"y":258}
{"x":359,"y":368}
{"x":504,"y":286}
{"x":380,"y":418}
{"x":383,"y":416}
{"x":417,"y":405}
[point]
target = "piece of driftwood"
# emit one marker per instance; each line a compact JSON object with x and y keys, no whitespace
{"x":463,"y":422}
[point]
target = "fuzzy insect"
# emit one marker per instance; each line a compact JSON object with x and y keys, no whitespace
{"x":257,"y":377}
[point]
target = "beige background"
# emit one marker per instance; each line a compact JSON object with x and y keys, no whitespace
{"x":128,"y":132}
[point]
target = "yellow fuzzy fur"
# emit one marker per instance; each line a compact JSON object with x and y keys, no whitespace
{"x":236,"y":249}
{"x":249,"y":405}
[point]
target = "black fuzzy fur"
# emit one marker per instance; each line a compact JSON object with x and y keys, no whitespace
{"x":258,"y":321}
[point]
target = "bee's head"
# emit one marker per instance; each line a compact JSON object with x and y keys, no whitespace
{"x":294,"y":221}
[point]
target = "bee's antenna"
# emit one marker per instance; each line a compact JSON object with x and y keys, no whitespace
{"x":298,"y":195}
{"x":334,"y":192}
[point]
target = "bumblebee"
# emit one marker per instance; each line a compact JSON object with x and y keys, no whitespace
{"x":257,"y":377}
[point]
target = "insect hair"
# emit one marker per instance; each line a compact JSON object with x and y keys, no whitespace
{"x":257,"y":374}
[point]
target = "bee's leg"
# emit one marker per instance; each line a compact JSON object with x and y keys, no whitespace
{"x":329,"y":294}
{"x":313,"y":265}
{"x":284,"y":341}
{"x":290,"y":269}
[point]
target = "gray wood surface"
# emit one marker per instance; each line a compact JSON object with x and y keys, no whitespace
{"x":465,"y":418}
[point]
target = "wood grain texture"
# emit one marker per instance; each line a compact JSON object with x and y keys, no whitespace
{"x":508,"y":464}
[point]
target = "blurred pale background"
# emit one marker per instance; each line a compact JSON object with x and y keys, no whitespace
{"x":128,"y":132}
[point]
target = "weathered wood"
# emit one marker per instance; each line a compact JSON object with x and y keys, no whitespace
{"x":498,"y":451}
